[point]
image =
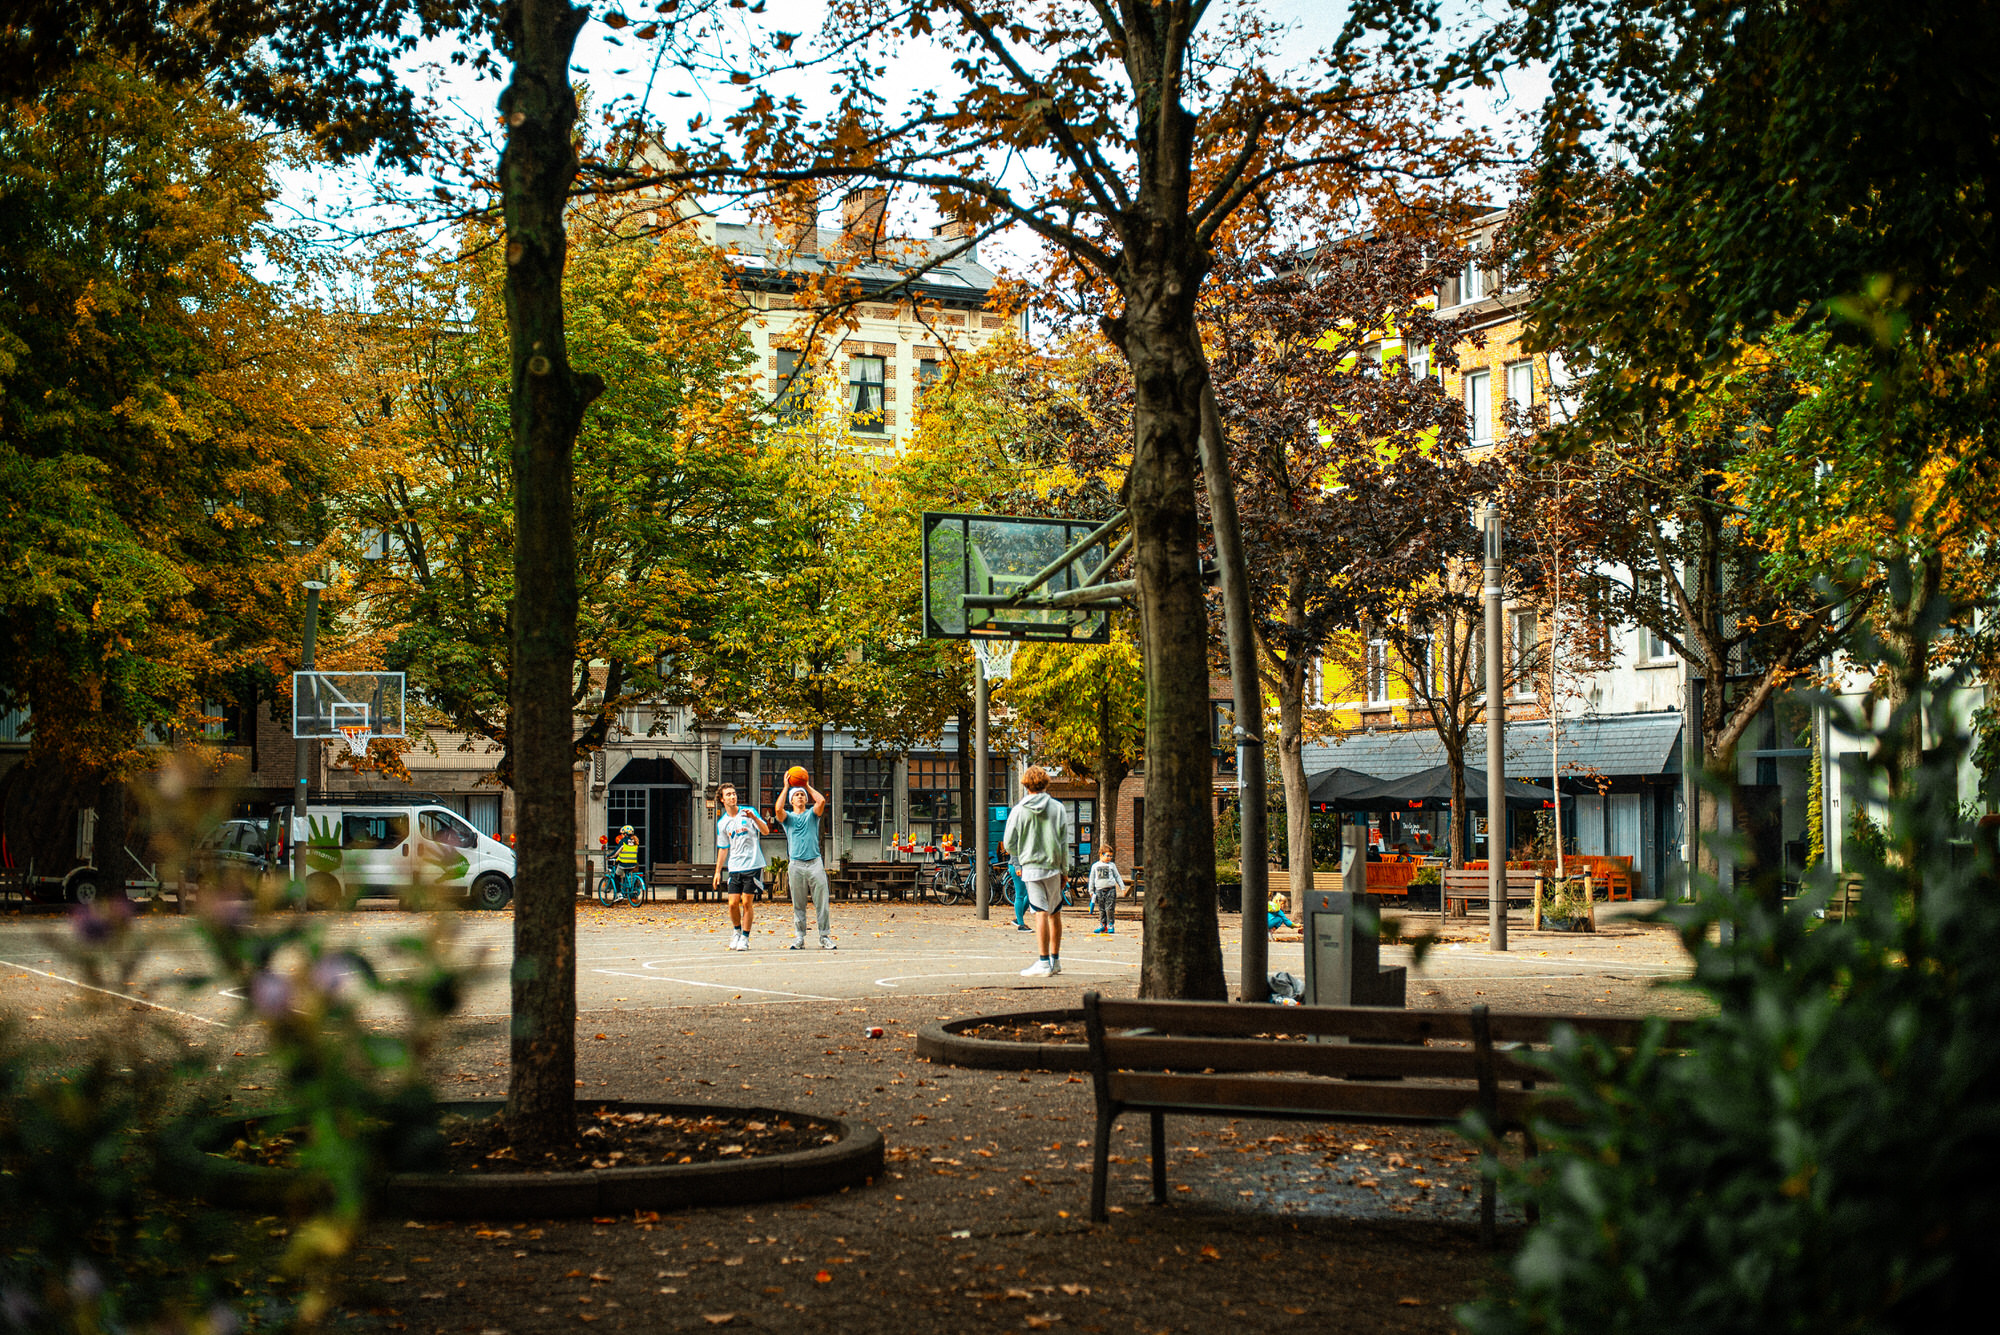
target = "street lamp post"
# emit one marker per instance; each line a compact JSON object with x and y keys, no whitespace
{"x":1496,"y":740}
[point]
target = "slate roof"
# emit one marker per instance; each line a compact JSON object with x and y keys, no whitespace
{"x":1617,"y":746}
{"x":756,"y":254}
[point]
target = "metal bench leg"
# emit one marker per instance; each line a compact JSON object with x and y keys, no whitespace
{"x":1100,"y":1163}
{"x":1159,"y":1158}
{"x":1488,"y":1234}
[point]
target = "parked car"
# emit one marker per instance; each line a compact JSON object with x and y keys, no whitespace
{"x":235,"y":855}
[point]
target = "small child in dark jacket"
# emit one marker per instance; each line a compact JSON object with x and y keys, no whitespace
{"x":1106,"y":884}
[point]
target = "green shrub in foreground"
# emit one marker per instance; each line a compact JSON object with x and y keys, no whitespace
{"x":1827,"y":1156}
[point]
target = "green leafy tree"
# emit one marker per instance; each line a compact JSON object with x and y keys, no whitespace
{"x":174,"y":417}
{"x":668,"y":476}
{"x":1085,"y":706}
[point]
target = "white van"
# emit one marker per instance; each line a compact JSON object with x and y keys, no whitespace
{"x":374,"y":847}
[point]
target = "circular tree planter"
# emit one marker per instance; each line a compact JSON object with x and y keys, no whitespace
{"x":853,"y":1160}
{"x":946,"y":1042}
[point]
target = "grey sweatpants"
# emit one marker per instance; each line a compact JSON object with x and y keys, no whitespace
{"x":810,"y":876}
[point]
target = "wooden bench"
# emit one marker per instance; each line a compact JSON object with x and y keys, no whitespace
{"x":1465,"y":888}
{"x":1216,"y":1059}
{"x":682,"y":877}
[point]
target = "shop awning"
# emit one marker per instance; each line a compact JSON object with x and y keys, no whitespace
{"x":1613,"y":746}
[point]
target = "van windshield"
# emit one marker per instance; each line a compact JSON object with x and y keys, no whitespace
{"x":441,"y":827}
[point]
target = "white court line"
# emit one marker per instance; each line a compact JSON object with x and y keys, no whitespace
{"x":123,"y":996}
{"x":725,"y":987}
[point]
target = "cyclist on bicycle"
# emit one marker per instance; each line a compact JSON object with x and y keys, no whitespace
{"x":625,"y":853}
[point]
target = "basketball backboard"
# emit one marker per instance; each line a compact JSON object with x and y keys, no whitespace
{"x":323,"y":703}
{"x":996,"y":556}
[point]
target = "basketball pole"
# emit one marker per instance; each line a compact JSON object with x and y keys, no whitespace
{"x":1496,"y":738}
{"x":302,"y":748}
{"x":982,"y":877}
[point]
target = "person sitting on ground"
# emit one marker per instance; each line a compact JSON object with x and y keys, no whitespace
{"x":1037,"y":838}
{"x":1275,"y":916}
{"x":1106,"y":884}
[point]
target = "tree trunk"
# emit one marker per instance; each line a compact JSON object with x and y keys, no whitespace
{"x":1292,"y":769}
{"x":1901,"y":626}
{"x":546,"y":407}
{"x":1183,"y":946}
{"x":1456,"y":762}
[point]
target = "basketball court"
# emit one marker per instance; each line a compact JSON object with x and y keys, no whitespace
{"x":674,"y":956}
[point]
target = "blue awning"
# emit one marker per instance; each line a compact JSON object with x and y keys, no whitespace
{"x":1613,"y":747}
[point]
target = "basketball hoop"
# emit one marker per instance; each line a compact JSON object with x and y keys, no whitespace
{"x":358,"y":737}
{"x":996,"y":658}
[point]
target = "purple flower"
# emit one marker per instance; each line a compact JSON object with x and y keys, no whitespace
{"x":92,"y":926}
{"x":271,"y":994}
{"x":85,"y":1284}
{"x":332,"y":974}
{"x":17,"y":1308}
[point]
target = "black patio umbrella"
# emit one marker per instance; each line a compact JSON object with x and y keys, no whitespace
{"x":1327,"y":788}
{"x":1430,"y":790}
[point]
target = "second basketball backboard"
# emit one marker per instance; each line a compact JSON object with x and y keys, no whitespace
{"x":992,"y":557}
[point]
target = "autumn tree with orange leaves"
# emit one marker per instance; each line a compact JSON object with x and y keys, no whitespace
{"x":175,"y":410}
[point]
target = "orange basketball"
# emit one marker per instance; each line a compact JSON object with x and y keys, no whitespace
{"x":796,"y":777}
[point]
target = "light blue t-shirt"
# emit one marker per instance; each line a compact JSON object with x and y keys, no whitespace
{"x":738,"y":834}
{"x":802,"y":834}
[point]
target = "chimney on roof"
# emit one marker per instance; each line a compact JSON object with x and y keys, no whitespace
{"x":862,"y":216}
{"x":955,"y":230}
{"x":798,"y":222}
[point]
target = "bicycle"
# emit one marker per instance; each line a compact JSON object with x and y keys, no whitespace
{"x":614,"y":886}
{"x":949,"y":881}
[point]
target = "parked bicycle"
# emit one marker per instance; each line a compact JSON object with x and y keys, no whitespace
{"x":951,"y":880}
{"x":615,"y":886}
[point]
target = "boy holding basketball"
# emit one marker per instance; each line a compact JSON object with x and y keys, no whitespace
{"x":737,"y":844}
{"x":1037,"y":838}
{"x":808,"y":870}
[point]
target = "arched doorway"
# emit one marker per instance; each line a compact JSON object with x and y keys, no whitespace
{"x":655,"y":797}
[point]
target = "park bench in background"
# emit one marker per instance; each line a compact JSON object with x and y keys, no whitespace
{"x":682,"y":877}
{"x":1466,"y":888}
{"x":1216,"y":1059}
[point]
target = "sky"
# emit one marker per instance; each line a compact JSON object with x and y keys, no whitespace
{"x":615,"y":64}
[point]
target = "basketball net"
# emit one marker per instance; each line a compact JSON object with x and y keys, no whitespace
{"x":996,"y":658}
{"x":357,"y":738}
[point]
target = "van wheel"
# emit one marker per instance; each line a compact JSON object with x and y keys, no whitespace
{"x":83,"y":889}
{"x":322,"y":891}
{"x":492,"y":892}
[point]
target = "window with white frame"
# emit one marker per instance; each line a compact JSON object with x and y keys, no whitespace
{"x":1475,"y":280}
{"x":864,"y":394}
{"x":1378,"y":672}
{"x":1521,"y":385}
{"x":1525,"y":637}
{"x":1418,"y":357}
{"x":1479,"y":406}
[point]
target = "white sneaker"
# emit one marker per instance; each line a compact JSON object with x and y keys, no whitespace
{"x":743,"y":941}
{"x":798,"y":943}
{"x":1055,"y":965}
{"x":1039,"y":969}
{"x":826,"y":943}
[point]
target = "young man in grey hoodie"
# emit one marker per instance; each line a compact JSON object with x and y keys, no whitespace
{"x":1037,"y":838}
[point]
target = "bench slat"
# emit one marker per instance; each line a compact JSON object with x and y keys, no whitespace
{"x":1337,"y":1059}
{"x":1361,"y":1022}
{"x":1250,"y":1096}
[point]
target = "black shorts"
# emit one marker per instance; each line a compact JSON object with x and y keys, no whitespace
{"x":746,"y":882}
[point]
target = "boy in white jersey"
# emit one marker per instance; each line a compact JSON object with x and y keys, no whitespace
{"x":1106,"y":884}
{"x":738,"y":850}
